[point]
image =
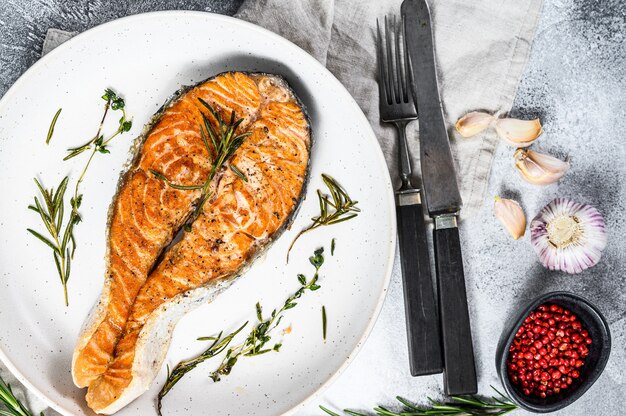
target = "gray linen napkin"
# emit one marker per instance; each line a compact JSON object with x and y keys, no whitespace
{"x":482,"y":48}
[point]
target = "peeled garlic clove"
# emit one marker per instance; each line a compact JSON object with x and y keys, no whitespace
{"x":568,"y":236}
{"x":538,"y":168}
{"x":511,"y":215}
{"x":518,"y":133}
{"x":473,"y":123}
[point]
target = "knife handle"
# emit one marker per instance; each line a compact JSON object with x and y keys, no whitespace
{"x":419,"y":299}
{"x":458,"y":352}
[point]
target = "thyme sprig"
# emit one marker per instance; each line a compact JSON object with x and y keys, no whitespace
{"x":457,"y":406}
{"x":13,"y":406}
{"x":223,"y":143}
{"x":340,"y":209}
{"x":256,"y":343}
{"x":62,"y":240}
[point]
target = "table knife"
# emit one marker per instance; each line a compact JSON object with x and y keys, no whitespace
{"x":443,"y":202}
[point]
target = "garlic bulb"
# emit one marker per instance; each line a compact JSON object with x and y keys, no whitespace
{"x":473,"y":123}
{"x":568,"y":236}
{"x":518,"y":133}
{"x":538,"y":168}
{"x":511,"y":215}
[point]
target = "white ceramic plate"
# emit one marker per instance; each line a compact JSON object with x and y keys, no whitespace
{"x":146,"y":58}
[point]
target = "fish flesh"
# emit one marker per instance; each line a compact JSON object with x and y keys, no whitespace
{"x":124,"y":341}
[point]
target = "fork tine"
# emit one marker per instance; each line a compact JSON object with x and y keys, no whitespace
{"x":401,"y":90}
{"x":391,"y":86}
{"x":408,"y":75}
{"x":382,"y":73}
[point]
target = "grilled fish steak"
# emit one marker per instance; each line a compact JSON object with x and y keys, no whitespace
{"x":125,"y":340}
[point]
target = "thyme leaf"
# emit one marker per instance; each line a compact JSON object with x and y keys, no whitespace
{"x":340,"y":209}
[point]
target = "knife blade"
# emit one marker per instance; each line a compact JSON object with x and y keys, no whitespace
{"x":439,"y":179}
{"x":443,"y":202}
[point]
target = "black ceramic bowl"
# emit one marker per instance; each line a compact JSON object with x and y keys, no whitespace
{"x":599,"y":350}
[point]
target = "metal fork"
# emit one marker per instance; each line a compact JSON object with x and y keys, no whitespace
{"x":397,"y":107}
{"x":396,"y":100}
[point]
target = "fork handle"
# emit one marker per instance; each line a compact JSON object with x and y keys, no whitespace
{"x":422,"y":322}
{"x":403,"y":154}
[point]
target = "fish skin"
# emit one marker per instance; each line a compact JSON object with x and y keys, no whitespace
{"x":228,"y":235}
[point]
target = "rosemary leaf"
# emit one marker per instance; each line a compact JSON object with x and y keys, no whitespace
{"x":328,"y":411}
{"x":332,"y":247}
{"x":173,"y":185}
{"x":324,"y":322}
{"x":239,"y":173}
{"x":43,"y":239}
{"x":342,"y":208}
{"x":51,"y":128}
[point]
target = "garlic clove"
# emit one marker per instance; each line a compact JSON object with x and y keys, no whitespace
{"x":538,"y":168}
{"x":518,"y":133}
{"x":511,"y":215}
{"x":568,"y":236}
{"x":473,"y":123}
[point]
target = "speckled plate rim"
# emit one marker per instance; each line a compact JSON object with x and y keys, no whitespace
{"x":380,"y":160}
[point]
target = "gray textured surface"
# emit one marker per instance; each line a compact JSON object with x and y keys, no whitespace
{"x":575,"y":81}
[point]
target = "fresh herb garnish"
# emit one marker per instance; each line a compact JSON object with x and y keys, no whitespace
{"x":51,"y":213}
{"x":62,"y":241}
{"x":324,"y":323}
{"x":332,"y":247}
{"x":51,"y":128}
{"x":456,"y":406}
{"x":224,"y":144}
{"x":99,"y":143}
{"x":254,"y":344}
{"x":342,"y":208}
{"x":13,"y":406}
{"x":218,"y":345}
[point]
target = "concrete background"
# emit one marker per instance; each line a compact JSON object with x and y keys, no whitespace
{"x":575,"y":81}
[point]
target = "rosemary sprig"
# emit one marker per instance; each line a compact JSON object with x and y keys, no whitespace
{"x":456,"y":406}
{"x":52,"y":211}
{"x":13,"y":406}
{"x":223,"y":143}
{"x":218,"y":345}
{"x":254,"y":344}
{"x":342,"y":208}
{"x":51,"y":128}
